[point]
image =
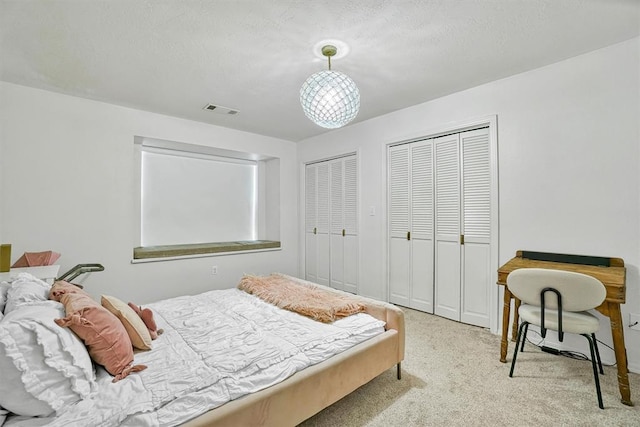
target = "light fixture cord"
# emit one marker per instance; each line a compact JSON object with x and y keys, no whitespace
{"x":329,"y":58}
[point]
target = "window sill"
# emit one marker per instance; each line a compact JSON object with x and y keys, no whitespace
{"x":158,"y":253}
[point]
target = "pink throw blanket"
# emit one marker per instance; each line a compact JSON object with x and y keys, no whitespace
{"x":315,"y":303}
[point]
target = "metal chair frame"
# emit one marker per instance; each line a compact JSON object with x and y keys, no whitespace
{"x":593,"y":342}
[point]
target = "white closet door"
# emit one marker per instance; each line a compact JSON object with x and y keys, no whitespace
{"x":337,"y":223}
{"x":331,"y":223}
{"x":399,"y":255}
{"x":421,"y":246}
{"x":350,"y":208}
{"x":447,"y":227}
{"x":311,"y":203}
{"x":323,"y":226}
{"x":440,"y":190}
{"x":476,"y":223}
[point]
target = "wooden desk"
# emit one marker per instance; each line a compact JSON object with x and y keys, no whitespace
{"x":613,"y":278}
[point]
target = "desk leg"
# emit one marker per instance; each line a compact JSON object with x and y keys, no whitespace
{"x":506,"y":311}
{"x":617,"y":333}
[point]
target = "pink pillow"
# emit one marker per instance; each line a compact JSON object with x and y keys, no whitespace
{"x":102,"y":332}
{"x":133,"y":324}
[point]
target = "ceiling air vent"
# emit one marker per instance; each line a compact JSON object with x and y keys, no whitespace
{"x":218,"y":109}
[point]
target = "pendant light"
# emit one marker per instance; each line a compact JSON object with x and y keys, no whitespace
{"x":329,"y":98}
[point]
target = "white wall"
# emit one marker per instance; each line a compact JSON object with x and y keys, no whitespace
{"x":67,"y":184}
{"x":569,"y":156}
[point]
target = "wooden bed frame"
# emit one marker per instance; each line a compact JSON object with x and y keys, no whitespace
{"x":309,"y":391}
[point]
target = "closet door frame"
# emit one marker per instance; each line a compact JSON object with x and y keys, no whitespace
{"x":491,"y":122}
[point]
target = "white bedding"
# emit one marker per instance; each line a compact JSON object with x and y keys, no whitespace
{"x":217,"y":346}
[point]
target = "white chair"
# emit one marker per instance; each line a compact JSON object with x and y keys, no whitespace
{"x":558,"y":300}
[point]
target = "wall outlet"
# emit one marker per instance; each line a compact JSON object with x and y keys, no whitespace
{"x":214,"y":270}
{"x":634,"y":321}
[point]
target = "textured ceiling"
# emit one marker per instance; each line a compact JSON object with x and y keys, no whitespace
{"x":174,"y":57}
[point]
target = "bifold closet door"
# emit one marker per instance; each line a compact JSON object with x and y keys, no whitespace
{"x":476,"y":225}
{"x":317,"y":240}
{"x":331,"y":218}
{"x":399,"y":232}
{"x":344,"y":224}
{"x":411,"y":225}
{"x":337,"y":206}
{"x":323,"y":238}
{"x":439,"y":198}
{"x":447,"y":226}
{"x":463,"y":227}
{"x":310,"y":222}
{"x":344,"y":220}
{"x":422,"y":226}
{"x":350,"y":225}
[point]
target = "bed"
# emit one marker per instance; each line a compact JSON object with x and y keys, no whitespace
{"x":285,"y":379}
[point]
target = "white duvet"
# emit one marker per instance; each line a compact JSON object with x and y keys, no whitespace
{"x":216,"y":347}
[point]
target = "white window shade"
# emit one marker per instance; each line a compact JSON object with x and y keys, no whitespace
{"x":196,"y":198}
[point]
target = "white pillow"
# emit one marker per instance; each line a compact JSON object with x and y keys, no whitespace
{"x":44,"y":367}
{"x":26,"y":289}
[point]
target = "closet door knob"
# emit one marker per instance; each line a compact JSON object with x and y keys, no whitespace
{"x":408,"y":235}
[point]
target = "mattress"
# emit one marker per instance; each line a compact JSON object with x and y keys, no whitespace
{"x":216,"y":347}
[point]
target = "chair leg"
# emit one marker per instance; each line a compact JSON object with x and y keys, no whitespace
{"x":595,"y":345}
{"x":595,"y":369}
{"x":515,"y":351}
{"x":524,"y":336}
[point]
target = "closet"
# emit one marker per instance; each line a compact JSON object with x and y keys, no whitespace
{"x":440,"y":236}
{"x":331,"y":223}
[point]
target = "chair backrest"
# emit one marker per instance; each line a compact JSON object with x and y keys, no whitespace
{"x":579,"y":291}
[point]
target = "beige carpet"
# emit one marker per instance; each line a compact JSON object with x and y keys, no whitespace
{"x":452,"y":376}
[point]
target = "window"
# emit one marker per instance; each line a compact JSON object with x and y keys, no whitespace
{"x":197,"y":200}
